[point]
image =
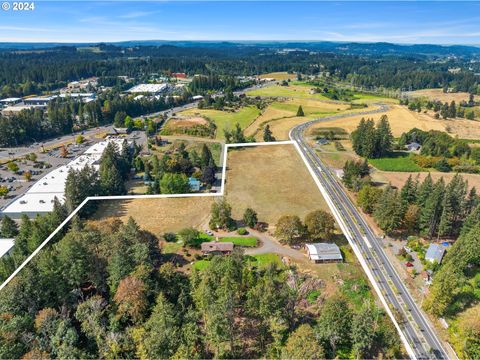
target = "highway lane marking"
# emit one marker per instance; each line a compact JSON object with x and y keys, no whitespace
{"x":367,"y":242}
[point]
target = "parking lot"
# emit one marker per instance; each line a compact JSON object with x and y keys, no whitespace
{"x":43,"y":164}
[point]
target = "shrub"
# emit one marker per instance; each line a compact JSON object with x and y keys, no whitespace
{"x":242,"y":231}
{"x":170,"y":237}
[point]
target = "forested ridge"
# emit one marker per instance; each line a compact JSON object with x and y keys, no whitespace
{"x":25,"y":72}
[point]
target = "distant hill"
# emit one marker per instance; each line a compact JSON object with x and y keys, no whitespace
{"x":355,"y":48}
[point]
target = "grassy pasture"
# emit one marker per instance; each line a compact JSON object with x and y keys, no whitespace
{"x":273,"y":181}
{"x":225,"y":119}
{"x":438,"y":94}
{"x":398,"y":161}
{"x":281,"y":75}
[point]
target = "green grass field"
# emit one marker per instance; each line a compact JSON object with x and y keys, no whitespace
{"x":399,"y":161}
{"x":260,"y":261}
{"x":307,"y":110}
{"x":225,"y":119}
{"x":236,"y":240}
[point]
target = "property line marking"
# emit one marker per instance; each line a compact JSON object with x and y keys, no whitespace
{"x":132,"y":197}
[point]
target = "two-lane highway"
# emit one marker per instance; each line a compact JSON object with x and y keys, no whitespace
{"x":417,"y":333}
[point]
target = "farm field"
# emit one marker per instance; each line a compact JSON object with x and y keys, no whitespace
{"x":272,"y":180}
{"x":397,"y":179}
{"x":281,"y":116}
{"x":159,"y":215}
{"x":282,"y":75}
{"x":291,"y":91}
{"x":402,"y":120}
{"x":225,"y":119}
{"x":438,"y":94}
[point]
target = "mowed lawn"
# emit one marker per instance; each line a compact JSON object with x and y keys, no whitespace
{"x":225,"y":119}
{"x":273,"y":180}
{"x":399,"y":161}
{"x":259,"y":261}
{"x":246,"y":241}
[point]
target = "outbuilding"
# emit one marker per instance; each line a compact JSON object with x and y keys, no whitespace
{"x":435,"y":253}
{"x":324,"y":252}
{"x":414,"y":146}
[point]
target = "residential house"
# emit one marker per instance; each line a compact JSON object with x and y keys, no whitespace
{"x":413,"y":146}
{"x":217,"y":248}
{"x":435,"y":253}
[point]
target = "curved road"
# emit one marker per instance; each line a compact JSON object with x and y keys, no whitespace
{"x":419,"y":334}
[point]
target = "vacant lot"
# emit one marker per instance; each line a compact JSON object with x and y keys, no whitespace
{"x":398,"y":179}
{"x":438,"y":94}
{"x":159,"y":215}
{"x":402,"y":120}
{"x":272,"y":180}
{"x":281,"y":116}
{"x":283,"y":75}
{"x":225,"y":119}
{"x":181,"y":125}
{"x":291,"y":91}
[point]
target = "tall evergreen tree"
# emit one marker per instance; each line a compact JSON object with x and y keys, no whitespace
{"x":431,"y":211}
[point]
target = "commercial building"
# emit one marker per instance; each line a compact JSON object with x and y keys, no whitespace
{"x":6,"y":246}
{"x":148,"y":88}
{"x":84,"y":97}
{"x":39,"y":198}
{"x":39,"y":100}
{"x":324,"y":252}
{"x":10,"y":101}
{"x":13,"y":110}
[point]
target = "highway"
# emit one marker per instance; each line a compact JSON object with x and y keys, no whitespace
{"x":422,"y":341}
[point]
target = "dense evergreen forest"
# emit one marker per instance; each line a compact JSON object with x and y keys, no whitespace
{"x":106,"y":291}
{"x":25,"y":72}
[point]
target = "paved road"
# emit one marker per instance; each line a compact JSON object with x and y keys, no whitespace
{"x":417,"y":329}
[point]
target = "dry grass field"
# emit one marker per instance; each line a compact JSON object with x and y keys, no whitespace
{"x":159,"y":215}
{"x":273,"y":180}
{"x":402,"y":120}
{"x":283,"y":75}
{"x":180,"y":124}
{"x":397,"y":179}
{"x":281,"y":116}
{"x":225,"y":120}
{"x":438,"y":94}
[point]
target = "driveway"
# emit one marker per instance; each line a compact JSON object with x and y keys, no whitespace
{"x":269,"y":245}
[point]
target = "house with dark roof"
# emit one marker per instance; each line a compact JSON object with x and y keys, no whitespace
{"x":435,"y":253}
{"x":217,"y":248}
{"x":324,"y":252}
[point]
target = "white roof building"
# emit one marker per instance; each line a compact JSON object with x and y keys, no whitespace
{"x":148,"y":88}
{"x":435,"y":253}
{"x":5,"y":246}
{"x":324,"y":252}
{"x":40,"y":196}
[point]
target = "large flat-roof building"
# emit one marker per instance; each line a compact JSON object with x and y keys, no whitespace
{"x":40,"y":196}
{"x":148,"y":88}
{"x":39,"y":100}
{"x":6,"y":246}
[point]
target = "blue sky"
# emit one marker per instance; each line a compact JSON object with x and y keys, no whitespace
{"x":94,"y":21}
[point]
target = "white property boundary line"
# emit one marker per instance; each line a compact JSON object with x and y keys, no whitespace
{"x":131,"y":197}
{"x":221,"y":193}
{"x":357,"y":252}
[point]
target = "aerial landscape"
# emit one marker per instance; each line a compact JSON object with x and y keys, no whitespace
{"x":240,"y":180}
